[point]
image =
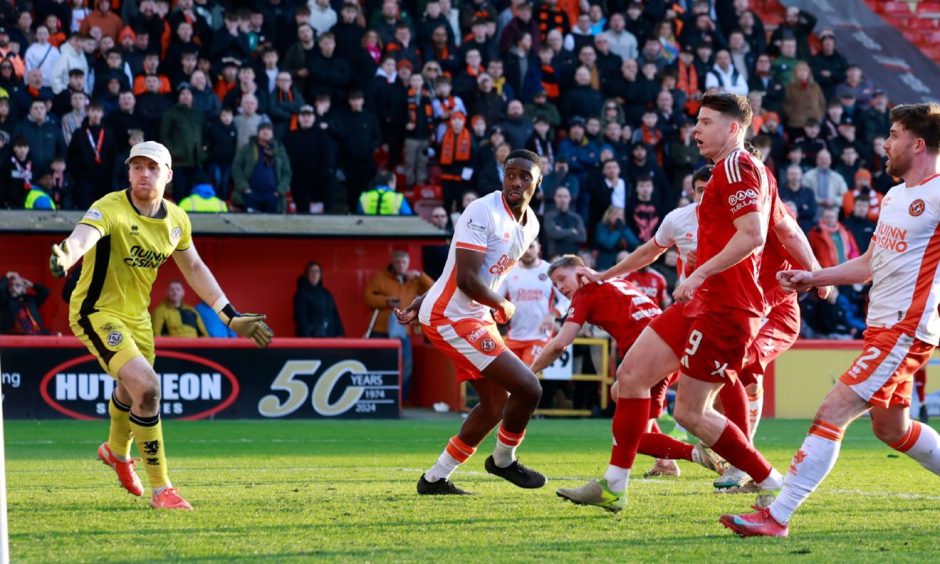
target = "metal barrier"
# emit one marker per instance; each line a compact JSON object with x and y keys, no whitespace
{"x":601,"y":377}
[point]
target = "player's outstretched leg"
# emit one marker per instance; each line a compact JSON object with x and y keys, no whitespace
{"x":524,"y":393}
{"x":649,"y":360}
{"x":694,"y":410}
{"x":734,"y":480}
{"x":894,"y":426}
{"x":664,"y":447}
{"x":481,"y":420}
{"x":140,"y":383}
{"x":809,"y":467}
{"x":116,"y":452}
{"x":734,"y":403}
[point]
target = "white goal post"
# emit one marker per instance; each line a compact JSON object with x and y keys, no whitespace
{"x":4,"y":528}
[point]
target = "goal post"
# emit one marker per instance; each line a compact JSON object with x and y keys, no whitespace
{"x":4,"y":528}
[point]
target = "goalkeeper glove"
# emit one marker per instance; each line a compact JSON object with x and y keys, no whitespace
{"x":249,"y":325}
{"x":61,"y":259}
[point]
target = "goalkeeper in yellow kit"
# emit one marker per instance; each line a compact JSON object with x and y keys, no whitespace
{"x":125,"y":237}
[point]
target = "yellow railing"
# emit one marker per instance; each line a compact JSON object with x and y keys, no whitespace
{"x":601,"y":377}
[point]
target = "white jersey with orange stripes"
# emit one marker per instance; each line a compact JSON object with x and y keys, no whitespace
{"x":680,"y":229}
{"x":905,"y":289}
{"x":487,"y":226}
{"x":534,"y":295}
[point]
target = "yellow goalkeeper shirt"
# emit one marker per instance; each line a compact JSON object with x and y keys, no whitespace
{"x":118,"y":273}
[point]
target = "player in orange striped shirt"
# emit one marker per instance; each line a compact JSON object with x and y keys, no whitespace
{"x":459,"y":314}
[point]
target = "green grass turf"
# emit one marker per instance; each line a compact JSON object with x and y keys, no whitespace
{"x":325,"y":490}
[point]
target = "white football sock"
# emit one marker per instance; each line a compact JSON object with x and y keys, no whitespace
{"x":774,"y":481}
{"x":809,"y":467}
{"x":443,"y":468}
{"x":617,"y":478}
{"x":504,"y":454}
{"x":926,"y":447}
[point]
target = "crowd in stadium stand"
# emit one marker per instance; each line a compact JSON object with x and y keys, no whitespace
{"x":286,"y":106}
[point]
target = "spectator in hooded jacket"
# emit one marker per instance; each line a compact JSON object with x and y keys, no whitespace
{"x":262,"y":173}
{"x":90,"y":157}
{"x":315,"y":312}
{"x":312,"y":160}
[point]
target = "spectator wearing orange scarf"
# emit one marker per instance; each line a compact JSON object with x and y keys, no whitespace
{"x":458,"y":159}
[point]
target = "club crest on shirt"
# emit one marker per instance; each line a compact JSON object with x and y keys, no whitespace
{"x":543,"y":277}
{"x":115,"y":338}
{"x":175,"y":235}
{"x":917,"y":207}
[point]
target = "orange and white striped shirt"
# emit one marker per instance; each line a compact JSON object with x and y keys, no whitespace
{"x":680,"y":229}
{"x":486,"y":226}
{"x":905,"y":261}
{"x":535,"y":297}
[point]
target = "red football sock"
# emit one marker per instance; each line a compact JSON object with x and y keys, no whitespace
{"x":630,"y":420}
{"x":734,"y":403}
{"x":659,"y":445}
{"x":734,"y":447}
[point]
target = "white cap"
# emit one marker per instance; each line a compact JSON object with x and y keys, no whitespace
{"x":153,"y":151}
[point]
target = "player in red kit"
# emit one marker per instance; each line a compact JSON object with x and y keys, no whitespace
{"x":651,"y":283}
{"x":623,"y":310}
{"x":742,"y":401}
{"x":706,"y":335}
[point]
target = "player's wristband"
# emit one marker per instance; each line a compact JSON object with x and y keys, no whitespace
{"x":225,"y":310}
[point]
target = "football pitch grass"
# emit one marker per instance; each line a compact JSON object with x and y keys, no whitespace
{"x":289,"y":491}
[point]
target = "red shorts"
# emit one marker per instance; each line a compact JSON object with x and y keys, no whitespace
{"x":717,"y":345}
{"x":471,"y":343}
{"x":527,"y":351}
{"x":778,"y":331}
{"x":883,"y":374}
{"x":673,"y":327}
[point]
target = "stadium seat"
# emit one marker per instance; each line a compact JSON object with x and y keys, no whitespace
{"x":893,"y":7}
{"x":928,"y":7}
{"x":428,"y":192}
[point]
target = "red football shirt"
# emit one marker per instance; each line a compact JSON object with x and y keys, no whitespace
{"x":617,"y":306}
{"x":651,"y":283}
{"x":775,"y":257}
{"x":739,"y":186}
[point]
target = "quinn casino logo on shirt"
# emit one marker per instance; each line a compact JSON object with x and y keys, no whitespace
{"x":917,"y":207}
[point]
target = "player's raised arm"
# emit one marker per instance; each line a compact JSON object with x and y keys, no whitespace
{"x":201,"y":279}
{"x":795,"y":242}
{"x":556,"y":346}
{"x":748,"y":237}
{"x":470,"y":282}
{"x":644,"y":256}
{"x":72,"y":249}
{"x":854,"y":271}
